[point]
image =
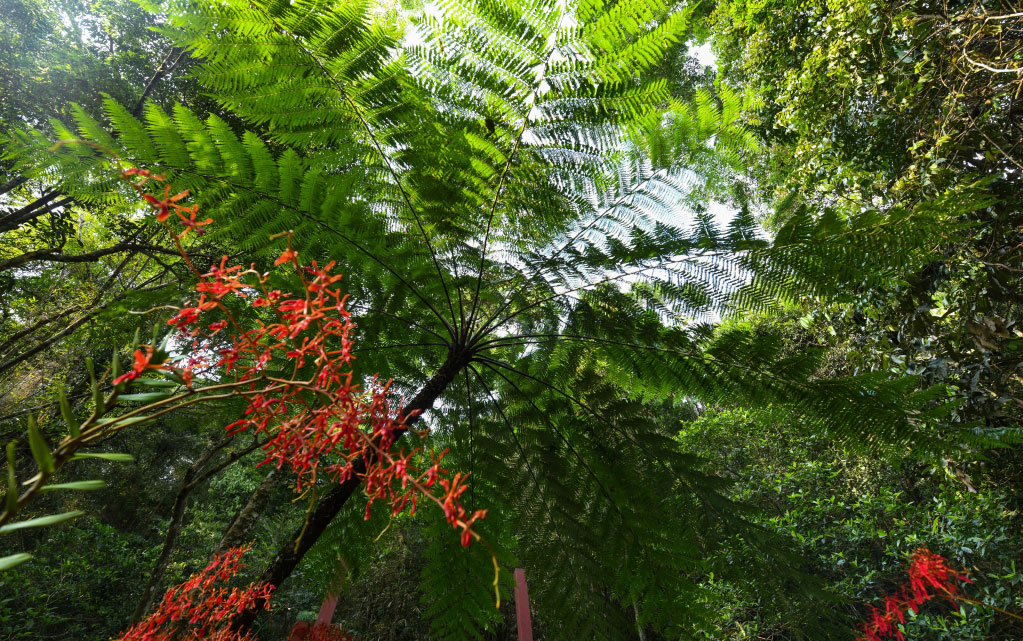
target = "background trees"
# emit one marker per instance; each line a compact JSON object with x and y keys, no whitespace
{"x":521,"y":198}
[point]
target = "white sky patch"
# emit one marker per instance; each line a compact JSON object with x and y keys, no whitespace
{"x":723,"y":214}
{"x":704,"y":55}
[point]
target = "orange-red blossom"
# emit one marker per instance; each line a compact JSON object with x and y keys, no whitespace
{"x":315,"y":416}
{"x":929,"y":576}
{"x":200,"y":609}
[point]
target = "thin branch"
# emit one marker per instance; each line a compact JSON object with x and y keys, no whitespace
{"x":46,"y":320}
{"x":39,"y":408}
{"x":52,"y":339}
{"x":232,"y":458}
{"x":14,"y":183}
{"x":59,"y":257}
{"x":160,"y":73}
{"x":982,"y":65}
{"x":29,"y":212}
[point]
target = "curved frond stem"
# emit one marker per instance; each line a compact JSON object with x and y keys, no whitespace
{"x":499,"y":342}
{"x":620,"y":200}
{"x":330,"y":228}
{"x":400,"y":345}
{"x":367,"y":309}
{"x":541,"y":79}
{"x":490,"y":221}
{"x":488,"y":325}
{"x":582,"y":405}
{"x":383,"y":157}
{"x":568,"y":444}
{"x":610,"y":279}
{"x":529,"y":468}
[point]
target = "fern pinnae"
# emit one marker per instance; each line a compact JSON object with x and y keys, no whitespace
{"x":296,"y":39}
{"x":568,"y":444}
{"x":544,"y":501}
{"x":504,"y":175}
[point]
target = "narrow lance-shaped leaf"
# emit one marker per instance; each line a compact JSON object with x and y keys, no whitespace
{"x":115,"y":366}
{"x":69,"y":417}
{"x":40,"y":450}
{"x":14,"y":560}
{"x":107,"y":456}
{"x":145,"y":397}
{"x":42,"y":521}
{"x":76,"y":485}
{"x":97,"y":396}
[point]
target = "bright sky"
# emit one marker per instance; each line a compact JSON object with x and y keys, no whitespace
{"x":703,"y":55}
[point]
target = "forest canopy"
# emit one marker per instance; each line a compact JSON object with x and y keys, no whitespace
{"x":319,"y":319}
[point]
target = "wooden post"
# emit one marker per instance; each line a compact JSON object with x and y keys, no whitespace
{"x":522,"y":620}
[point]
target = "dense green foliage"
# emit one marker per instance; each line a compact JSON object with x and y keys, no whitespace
{"x":718,"y":352}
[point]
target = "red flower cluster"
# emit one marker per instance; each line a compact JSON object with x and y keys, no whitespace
{"x":199,"y":609}
{"x":929,"y":576}
{"x":293,"y":366}
{"x":165,"y":206}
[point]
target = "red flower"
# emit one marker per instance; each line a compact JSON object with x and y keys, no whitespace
{"x":142,"y":363}
{"x":288,"y":256}
{"x":190,"y":222}
{"x":200,"y":609}
{"x":927,"y":571}
{"x":186,"y":316}
{"x":163,"y":207}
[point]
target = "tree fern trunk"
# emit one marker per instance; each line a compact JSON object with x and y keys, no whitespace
{"x":291,"y":553}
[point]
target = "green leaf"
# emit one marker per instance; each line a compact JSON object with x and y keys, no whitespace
{"x":69,"y":416}
{"x":84,"y":486}
{"x":107,"y":456}
{"x":115,"y":366}
{"x":41,"y":521}
{"x":145,"y":397}
{"x":171,"y":375}
{"x":40,"y":450}
{"x":123,"y":422}
{"x":97,"y":396}
{"x":156,"y":382}
{"x":14,"y":560}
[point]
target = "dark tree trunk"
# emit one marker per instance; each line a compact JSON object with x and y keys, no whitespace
{"x":237,"y":532}
{"x":291,"y":553}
